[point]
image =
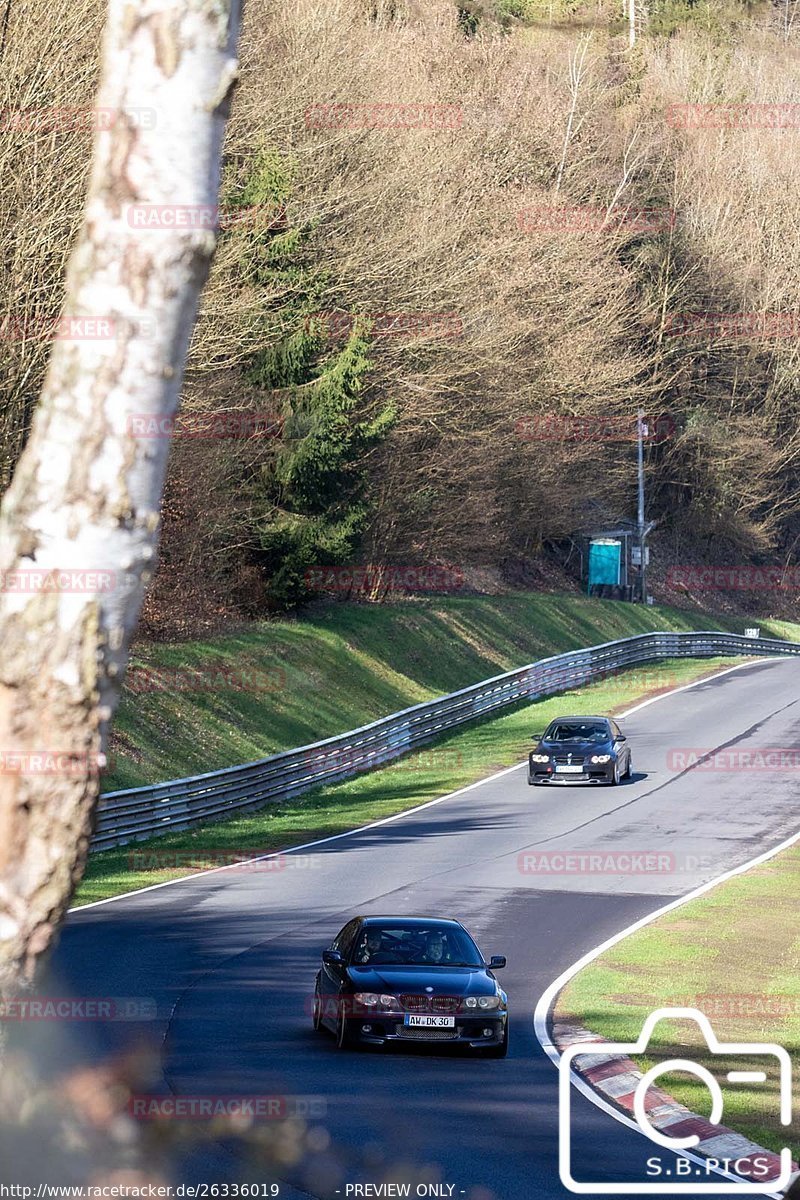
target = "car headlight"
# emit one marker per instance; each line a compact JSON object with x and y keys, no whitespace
{"x":540,"y":758}
{"x":482,"y":1002}
{"x":471,"y":1002}
{"x":600,"y":758}
{"x":373,"y":1000}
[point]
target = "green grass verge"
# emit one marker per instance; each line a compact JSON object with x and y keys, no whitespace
{"x":202,"y":705}
{"x":734,"y":954}
{"x":451,"y":762}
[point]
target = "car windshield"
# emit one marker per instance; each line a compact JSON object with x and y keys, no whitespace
{"x":416,"y":946}
{"x":562,"y":731}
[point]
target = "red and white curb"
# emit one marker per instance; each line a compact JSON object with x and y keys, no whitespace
{"x":616,"y":1078}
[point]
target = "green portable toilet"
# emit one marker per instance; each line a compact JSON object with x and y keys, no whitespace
{"x":605,"y":555}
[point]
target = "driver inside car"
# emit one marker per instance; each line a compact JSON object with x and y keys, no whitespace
{"x":372,"y":949}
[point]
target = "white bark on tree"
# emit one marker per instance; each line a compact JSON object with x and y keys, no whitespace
{"x":85,"y":497}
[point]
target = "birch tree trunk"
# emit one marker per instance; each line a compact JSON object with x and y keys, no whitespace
{"x":78,"y":529}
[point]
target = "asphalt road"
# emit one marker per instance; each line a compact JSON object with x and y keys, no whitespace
{"x":230,"y":957}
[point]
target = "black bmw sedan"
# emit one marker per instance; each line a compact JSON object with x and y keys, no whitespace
{"x":411,"y":979}
{"x":580,"y":750}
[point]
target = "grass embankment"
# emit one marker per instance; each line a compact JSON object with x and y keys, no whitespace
{"x":734,"y":954}
{"x":450,"y":763}
{"x":292,"y":682}
{"x":198,"y":706}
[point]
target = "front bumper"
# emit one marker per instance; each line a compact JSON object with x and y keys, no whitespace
{"x":468,"y":1030}
{"x":600,"y":773}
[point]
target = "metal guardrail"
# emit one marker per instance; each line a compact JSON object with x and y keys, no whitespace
{"x":145,"y":812}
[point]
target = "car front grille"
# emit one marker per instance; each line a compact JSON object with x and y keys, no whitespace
{"x":562,"y":760}
{"x":427,"y":1035}
{"x":415,"y":1003}
{"x":435,"y":1004}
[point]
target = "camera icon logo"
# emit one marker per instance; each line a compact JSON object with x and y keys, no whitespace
{"x":758,"y":1050}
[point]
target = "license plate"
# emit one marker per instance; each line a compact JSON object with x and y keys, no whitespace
{"x":419,"y":1021}
{"x":569,"y":770}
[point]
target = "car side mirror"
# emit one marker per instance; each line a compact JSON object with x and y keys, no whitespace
{"x":497,"y":961}
{"x":536,"y":737}
{"x":332,"y":958}
{"x":622,"y":738}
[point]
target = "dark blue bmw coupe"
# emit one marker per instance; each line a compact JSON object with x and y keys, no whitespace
{"x":411,"y":979}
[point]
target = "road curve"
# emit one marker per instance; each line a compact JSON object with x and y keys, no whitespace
{"x":230,"y":956}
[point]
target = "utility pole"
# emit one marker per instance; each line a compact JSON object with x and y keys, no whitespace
{"x":642,"y":433}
